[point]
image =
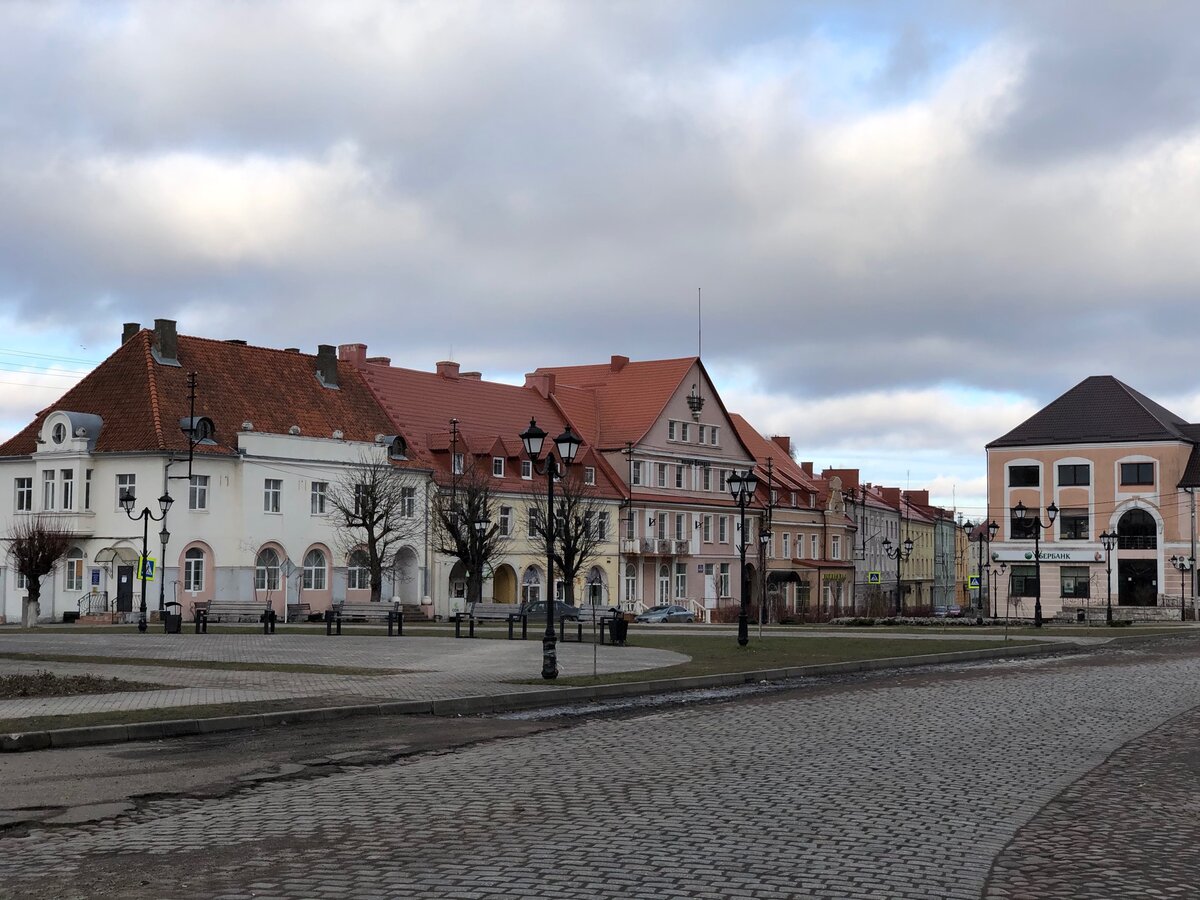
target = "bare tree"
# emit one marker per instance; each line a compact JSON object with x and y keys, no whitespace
{"x":580,"y":527}
{"x":466,"y":524}
{"x":374,"y":507}
{"x":36,"y":546}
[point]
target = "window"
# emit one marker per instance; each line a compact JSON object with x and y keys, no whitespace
{"x":684,"y":433}
{"x":793,"y":498}
{"x":531,"y":523}
{"x":1023,"y":581}
{"x":74,"y":574}
{"x":679,"y":476}
{"x":787,"y":546}
{"x":497,"y":466}
{"x":724,"y":476}
{"x":630,"y":583}
{"x":814,"y":546}
{"x":1137,"y":473}
{"x":679,"y":520}
{"x":125,"y":483}
{"x":1023,"y":529}
{"x":531,"y":586}
{"x":662,"y":474}
{"x":589,"y":474}
{"x":1073,"y":474}
{"x":723,"y":529}
{"x":800,"y":546}
{"x":526,"y":469}
{"x":24,"y":489}
{"x":48,"y":489}
{"x":774,"y":497}
{"x":266,"y":570}
{"x":358,"y":571}
{"x":680,"y":580}
{"x":706,"y":474}
{"x":635,"y":472}
{"x":193,"y":570}
{"x":712,"y":435}
{"x":1024,"y":476}
{"x":198,"y":492}
{"x":700,"y":433}
{"x":661,"y":519}
{"x":671,"y":430}
{"x":272,"y":488}
{"x":505,"y":521}
{"x":602,"y":526}
{"x":664,"y":584}
{"x":457,"y":464}
{"x":58,"y":433}
{"x":1073,"y":525}
{"x":362,"y":501}
{"x":314,"y":571}
{"x":723,"y":585}
{"x":22,"y":582}
{"x":316,"y":497}
{"x":68,"y":489}
{"x":1075,"y":581}
{"x":707,"y":533}
{"x":408,"y":502}
{"x":87,"y":489}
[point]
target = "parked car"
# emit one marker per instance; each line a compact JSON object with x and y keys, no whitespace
{"x":665,"y":614}
{"x":947,"y":612}
{"x":537,"y":611}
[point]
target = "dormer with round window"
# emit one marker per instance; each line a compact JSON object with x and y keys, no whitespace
{"x":64,"y":431}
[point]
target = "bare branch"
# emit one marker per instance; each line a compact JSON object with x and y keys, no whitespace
{"x":456,"y":514}
{"x":581,"y":525}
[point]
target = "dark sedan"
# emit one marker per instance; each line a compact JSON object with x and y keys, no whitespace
{"x":537,"y":611}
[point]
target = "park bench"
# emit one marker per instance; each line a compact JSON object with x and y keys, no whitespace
{"x":391,"y":613}
{"x":233,"y":611}
{"x":492,"y":612}
{"x":298,"y":612}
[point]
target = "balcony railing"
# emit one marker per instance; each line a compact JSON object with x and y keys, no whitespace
{"x":1137,"y":542}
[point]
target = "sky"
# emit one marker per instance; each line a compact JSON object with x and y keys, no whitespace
{"x":912,"y":224}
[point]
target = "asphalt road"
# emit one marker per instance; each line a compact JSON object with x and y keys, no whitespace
{"x":1062,"y":777}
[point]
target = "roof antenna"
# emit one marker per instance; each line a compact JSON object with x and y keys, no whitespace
{"x":699,"y":325}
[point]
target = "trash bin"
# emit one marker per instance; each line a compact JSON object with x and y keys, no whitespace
{"x":173,"y":618}
{"x":618,"y":628}
{"x":1080,"y":615}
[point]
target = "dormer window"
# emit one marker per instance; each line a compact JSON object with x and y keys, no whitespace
{"x":59,"y":433}
{"x":457,"y":464}
{"x":497,"y":466}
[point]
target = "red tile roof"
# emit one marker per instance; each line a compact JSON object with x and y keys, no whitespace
{"x":141,"y":401}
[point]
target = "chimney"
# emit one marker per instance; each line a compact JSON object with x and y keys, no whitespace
{"x":849,"y":477}
{"x":447,"y":369}
{"x":130,"y":329}
{"x":379,"y":360}
{"x":784,"y":442}
{"x":166,"y":343}
{"x":617,"y":363}
{"x":808,"y":468}
{"x":542,"y":382}
{"x":355,"y":354}
{"x":919,"y":498}
{"x":327,"y":370}
{"x":472,"y":376}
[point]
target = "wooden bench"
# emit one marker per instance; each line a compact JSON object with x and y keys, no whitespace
{"x":233,"y":611}
{"x":391,"y":613}
{"x":298,"y":612}
{"x":492,"y":612}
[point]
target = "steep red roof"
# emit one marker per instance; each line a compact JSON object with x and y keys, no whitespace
{"x":141,"y":400}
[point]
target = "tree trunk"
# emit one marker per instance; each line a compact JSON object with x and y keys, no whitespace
{"x":569,"y":590}
{"x":474,"y":589}
{"x":31,"y":608}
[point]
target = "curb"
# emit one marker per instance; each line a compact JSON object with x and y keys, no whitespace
{"x":463,"y":706}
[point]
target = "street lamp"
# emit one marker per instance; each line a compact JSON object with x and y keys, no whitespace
{"x":568,"y":444}
{"x":1038,"y":525}
{"x":1183,"y":564}
{"x":764,"y":542}
{"x":1108,"y":540}
{"x":164,"y":503}
{"x":742,"y":487}
{"x":985,"y":536}
{"x":900,"y":554}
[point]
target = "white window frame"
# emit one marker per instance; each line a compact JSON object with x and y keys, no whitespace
{"x":457,"y":463}
{"x":73,"y":576}
{"x":723,"y":530}
{"x":267,"y":577}
{"x":835,"y":546}
{"x":684,"y":432}
{"x":706,"y":478}
{"x":497,"y":466}
{"x":49,"y":489}
{"x":125,"y":482}
{"x":660,"y":477}
{"x":814,"y":546}
{"x":679,"y":477}
{"x":505,"y":523}
{"x":315,"y":577}
{"x":589,"y":475}
{"x":672,"y":429}
{"x":318,"y":494}
{"x":723,"y":584}
{"x":680,"y":581}
{"x":680,"y":529}
{"x":527,"y":469}
{"x":87,"y":489}
{"x":23,"y":494}
{"x":602,"y":525}
{"x":358,"y":571}
{"x":707,"y":530}
{"x":787,"y":546}
{"x":408,"y":502}
{"x":272,"y":496}
{"x":713,"y":432}
{"x":67,"y":494}
{"x":198,"y":492}
{"x":635,"y":473}
{"x":193,"y":570}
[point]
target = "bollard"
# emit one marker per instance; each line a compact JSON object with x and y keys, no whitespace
{"x":328,"y":622}
{"x":390,"y":614}
{"x":471,"y":627}
{"x":524,"y":626}
{"x":339,"y":621}
{"x":201,"y":621}
{"x":273,"y":617}
{"x":510,"y":628}
{"x":400,"y":622}
{"x":458,"y":625}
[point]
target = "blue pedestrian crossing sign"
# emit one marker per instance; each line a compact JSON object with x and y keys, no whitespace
{"x":874,"y":578}
{"x":146,"y":567}
{"x":973,"y":581}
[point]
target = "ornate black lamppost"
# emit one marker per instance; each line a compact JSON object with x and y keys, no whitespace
{"x":1108,"y":540}
{"x":1021,"y":514}
{"x":568,"y":445}
{"x":900,"y":554}
{"x":994,"y":573}
{"x":742,"y":487}
{"x":985,"y":536}
{"x":164,"y":503}
{"x":1183,"y":564}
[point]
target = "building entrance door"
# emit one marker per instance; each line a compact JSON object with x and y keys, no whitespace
{"x":1138,"y":582}
{"x":124,"y":588}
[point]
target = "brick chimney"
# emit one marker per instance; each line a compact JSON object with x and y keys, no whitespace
{"x":447,"y":369}
{"x":166,"y":342}
{"x":542,"y":382}
{"x":784,"y":442}
{"x":919,"y":498}
{"x":129,"y":330}
{"x":471,"y":376}
{"x":379,"y":360}
{"x":849,"y":477}
{"x":807,"y":467}
{"x":617,"y":363}
{"x":327,"y":369}
{"x":355,"y":354}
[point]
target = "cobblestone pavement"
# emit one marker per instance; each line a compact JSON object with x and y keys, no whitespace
{"x":431,"y":668}
{"x":847,"y":791}
{"x":1129,"y":828}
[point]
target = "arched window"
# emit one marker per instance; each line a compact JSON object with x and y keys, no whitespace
{"x":531,"y":585}
{"x":193,"y":570}
{"x":74,"y":576}
{"x":266,"y":570}
{"x":314,"y":570}
{"x":1137,"y":530}
{"x":664,"y":585}
{"x":630,"y":583}
{"x":595,"y":586}
{"x":358,"y":571}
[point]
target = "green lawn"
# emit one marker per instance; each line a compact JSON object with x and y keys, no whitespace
{"x":300,"y":668}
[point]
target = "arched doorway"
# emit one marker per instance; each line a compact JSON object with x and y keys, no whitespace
{"x":531,"y":585}
{"x":595,"y":587}
{"x":458,"y":583}
{"x":1137,"y":579}
{"x":1137,"y":530}
{"x":407,"y":569}
{"x":504,"y":584}
{"x":664,"y":585}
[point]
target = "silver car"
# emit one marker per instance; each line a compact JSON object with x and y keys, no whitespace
{"x":665,"y":614}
